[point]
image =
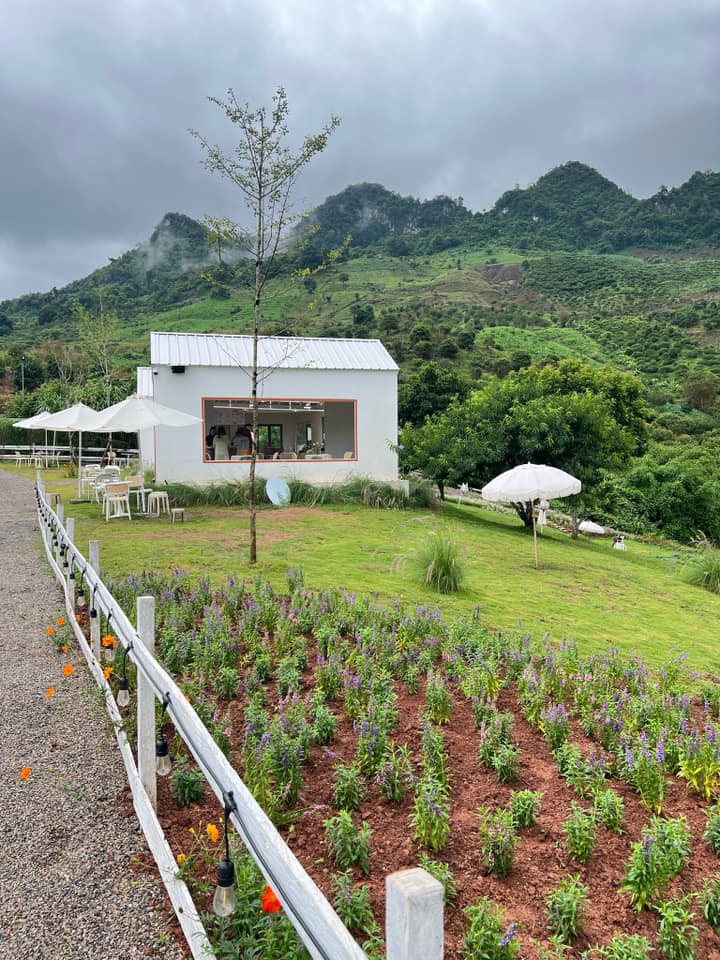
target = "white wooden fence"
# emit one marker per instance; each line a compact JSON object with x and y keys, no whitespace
{"x":414,"y":899}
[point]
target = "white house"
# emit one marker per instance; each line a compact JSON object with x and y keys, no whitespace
{"x":327,"y":408}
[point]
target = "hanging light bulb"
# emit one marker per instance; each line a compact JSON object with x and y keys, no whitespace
{"x":123,"y":694}
{"x":163,"y":763}
{"x":225,"y":898}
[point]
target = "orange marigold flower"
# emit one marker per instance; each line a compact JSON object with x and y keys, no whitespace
{"x":108,"y":640}
{"x":63,"y":649}
{"x":50,"y":631}
{"x":50,"y":692}
{"x":60,"y":621}
{"x":25,"y":773}
{"x":68,"y":669}
{"x":181,"y":858}
{"x":107,"y":671}
{"x":213,"y":832}
{"x":270,"y":902}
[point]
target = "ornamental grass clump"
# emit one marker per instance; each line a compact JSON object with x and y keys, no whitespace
{"x":440,"y":565}
{"x":489,"y":936}
{"x":704,"y":570}
{"x":497,"y":840}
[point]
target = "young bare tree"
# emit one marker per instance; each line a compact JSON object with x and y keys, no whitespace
{"x":266,"y":170}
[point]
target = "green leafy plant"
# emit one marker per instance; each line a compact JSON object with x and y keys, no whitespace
{"x":566,"y":908}
{"x":626,"y":947}
{"x":188,"y":784}
{"x":525,"y":807}
{"x":489,"y":935}
{"x":677,"y":934}
{"x":431,"y":813}
{"x":438,"y":697}
{"x":349,"y":846}
{"x":580,"y":833}
{"x":506,"y":762}
{"x":352,"y":904}
{"x":710,"y":899}
{"x":660,"y":855}
{"x":609,"y":809}
{"x":497,"y":840}
{"x":699,"y":764}
{"x":440,"y":565}
{"x":442,"y":872}
{"x":711,"y":835}
{"x":350,"y":786}
{"x":394,"y":776}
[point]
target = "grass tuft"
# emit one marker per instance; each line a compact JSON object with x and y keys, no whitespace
{"x":440,"y":565}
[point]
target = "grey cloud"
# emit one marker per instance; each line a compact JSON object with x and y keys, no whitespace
{"x":465,"y":97}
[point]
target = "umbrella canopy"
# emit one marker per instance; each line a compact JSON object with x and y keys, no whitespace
{"x":78,"y":417}
{"x":589,"y":526}
{"x":138,"y":413}
{"x":33,"y":423}
{"x":529,"y":482}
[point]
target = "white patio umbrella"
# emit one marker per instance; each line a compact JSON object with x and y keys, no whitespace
{"x":79,"y":417}
{"x":589,"y":526}
{"x":140,"y":413}
{"x":35,"y":423}
{"x":529,"y":482}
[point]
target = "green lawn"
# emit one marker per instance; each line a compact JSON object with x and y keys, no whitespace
{"x":583,"y":589}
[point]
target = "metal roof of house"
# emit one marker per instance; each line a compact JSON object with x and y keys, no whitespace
{"x":292,"y":353}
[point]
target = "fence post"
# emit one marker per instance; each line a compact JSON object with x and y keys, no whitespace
{"x":146,"y":702}
{"x":70,"y":527}
{"x":413,"y":916}
{"x":94,"y":562}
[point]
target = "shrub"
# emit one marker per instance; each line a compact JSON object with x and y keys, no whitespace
{"x":440,"y":565}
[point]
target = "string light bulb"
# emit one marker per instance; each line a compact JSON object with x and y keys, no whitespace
{"x":163,"y":763}
{"x":123,"y":694}
{"x":225,"y":898}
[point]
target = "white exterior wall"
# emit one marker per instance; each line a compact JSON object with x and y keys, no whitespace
{"x":179,"y":451}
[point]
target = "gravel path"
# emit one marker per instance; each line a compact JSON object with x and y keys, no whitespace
{"x":68,"y":890}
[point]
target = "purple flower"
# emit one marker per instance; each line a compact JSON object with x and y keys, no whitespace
{"x":509,"y":935}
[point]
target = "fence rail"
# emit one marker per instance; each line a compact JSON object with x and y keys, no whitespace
{"x":317,"y":924}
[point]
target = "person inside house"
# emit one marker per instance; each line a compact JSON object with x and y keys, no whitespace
{"x":220,"y":444}
{"x":209,"y":437}
{"x":242,"y":441}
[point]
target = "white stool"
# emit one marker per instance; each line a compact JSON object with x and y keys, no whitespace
{"x":177,"y":513}
{"x":158,"y":502}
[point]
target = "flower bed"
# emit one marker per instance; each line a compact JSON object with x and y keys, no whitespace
{"x":554,"y":795}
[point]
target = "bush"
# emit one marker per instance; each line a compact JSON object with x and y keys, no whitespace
{"x":440,"y":565}
{"x":188,"y":785}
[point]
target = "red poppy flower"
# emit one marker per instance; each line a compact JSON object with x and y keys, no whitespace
{"x":270,"y":902}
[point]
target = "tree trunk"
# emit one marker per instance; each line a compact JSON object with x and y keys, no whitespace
{"x":525,"y":512}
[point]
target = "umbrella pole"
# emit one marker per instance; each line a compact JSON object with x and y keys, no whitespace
{"x":79,"y":493}
{"x":532,"y":507}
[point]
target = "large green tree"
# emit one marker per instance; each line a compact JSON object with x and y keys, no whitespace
{"x":429,"y":391}
{"x":265,"y":170}
{"x":581,"y":419}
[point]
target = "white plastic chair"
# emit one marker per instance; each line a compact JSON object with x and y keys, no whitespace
{"x":116,"y":501}
{"x":105,"y":476}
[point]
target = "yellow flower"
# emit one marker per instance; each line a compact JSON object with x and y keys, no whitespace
{"x":181,"y":858}
{"x":107,"y":671}
{"x":68,"y":669}
{"x":213,"y":832}
{"x":50,"y":692}
{"x":25,"y":773}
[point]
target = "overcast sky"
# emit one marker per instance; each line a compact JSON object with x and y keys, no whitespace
{"x":464,"y":97}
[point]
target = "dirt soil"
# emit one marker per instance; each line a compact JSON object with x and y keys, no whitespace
{"x":541,"y":858}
